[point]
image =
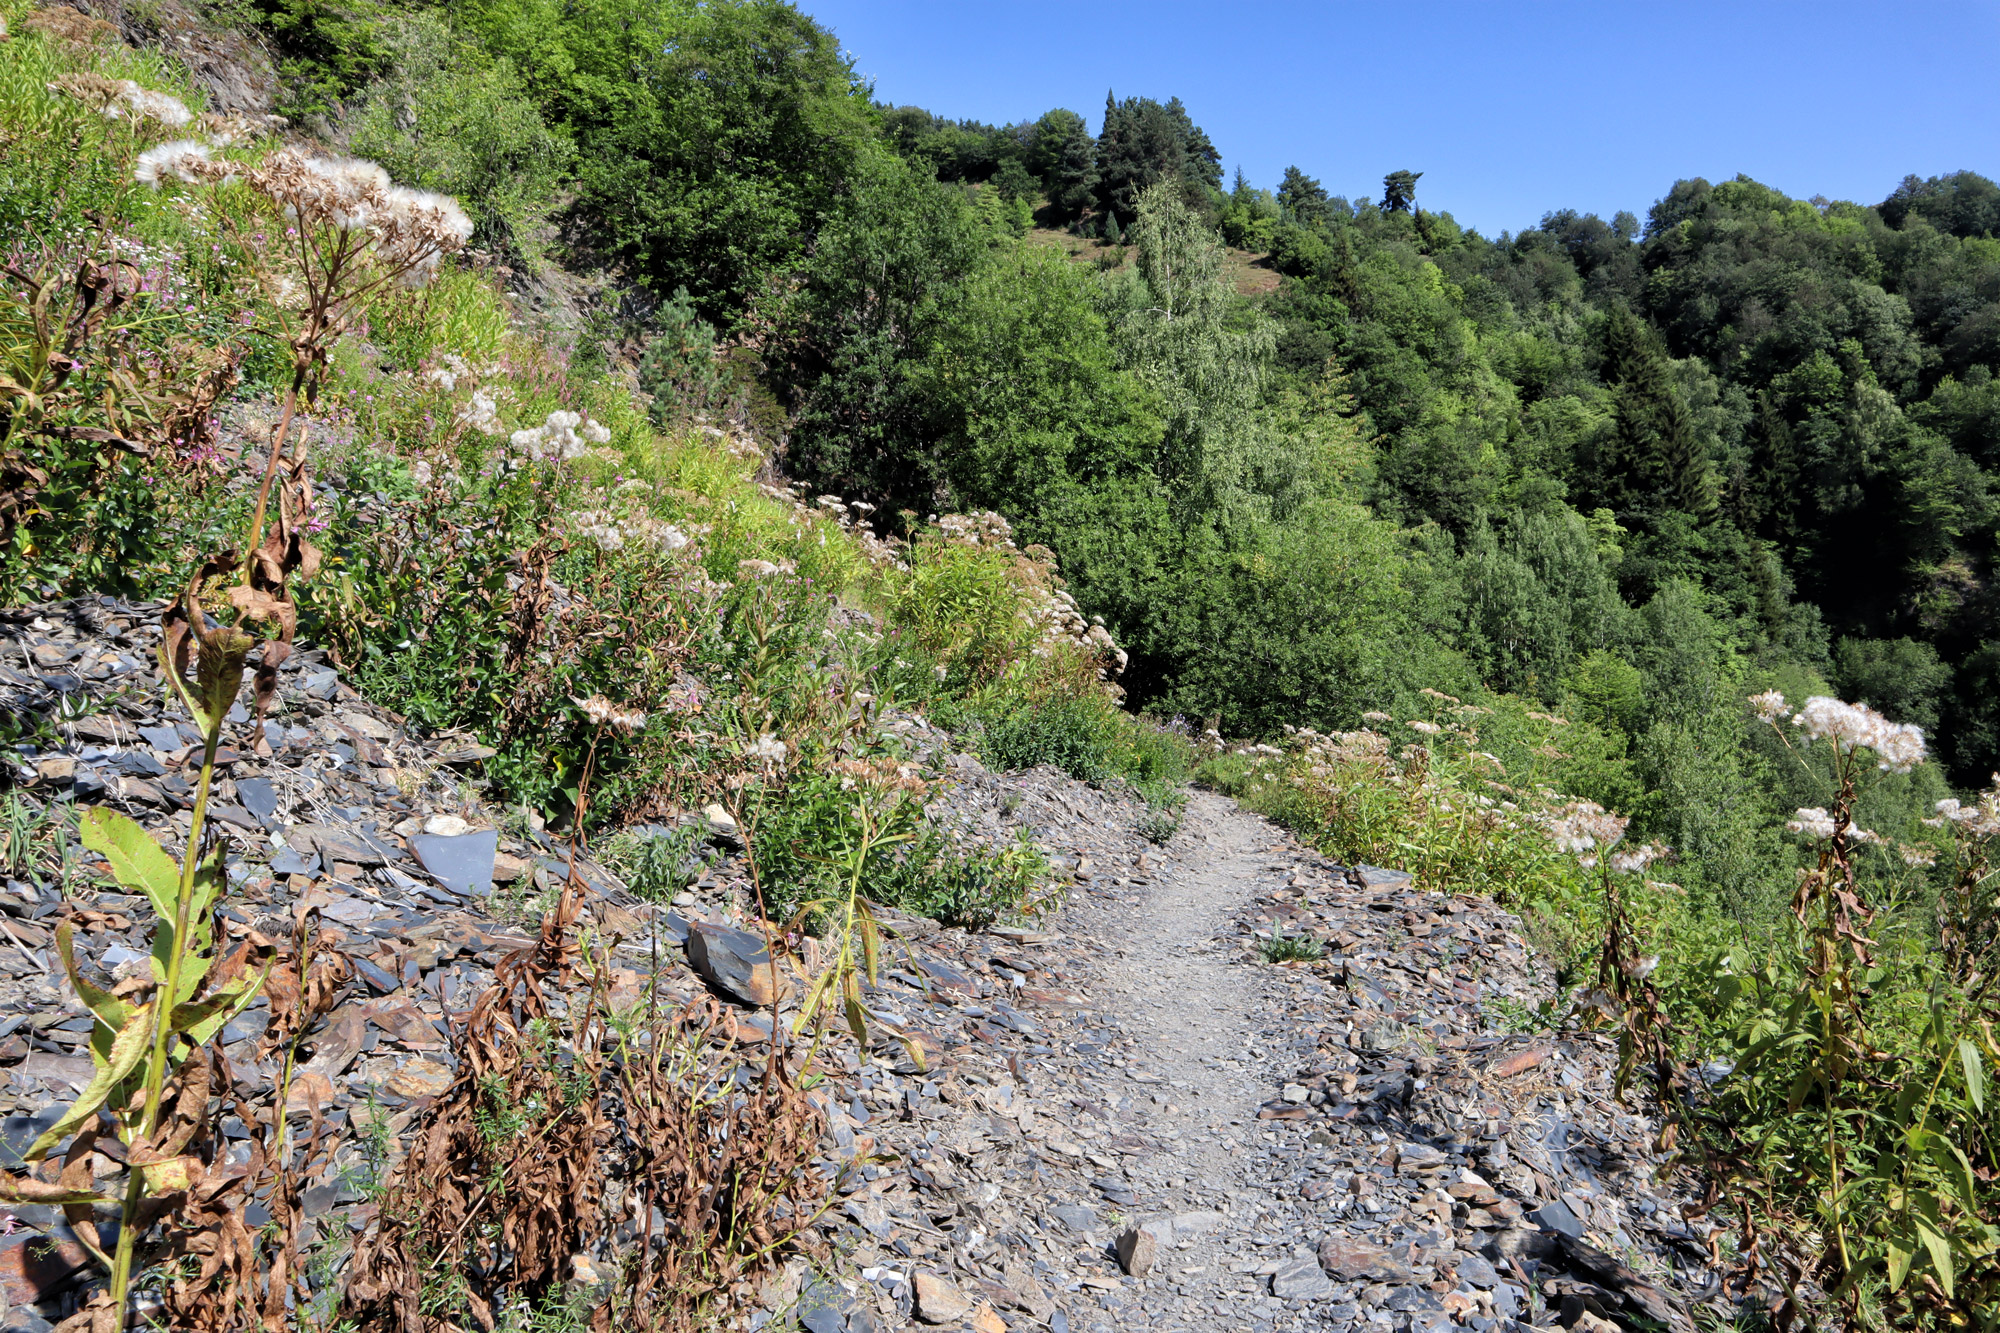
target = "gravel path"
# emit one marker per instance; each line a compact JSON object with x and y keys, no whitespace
{"x":1171,"y":1133}
{"x":1188,"y":1006}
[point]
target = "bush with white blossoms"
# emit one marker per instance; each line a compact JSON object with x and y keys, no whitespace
{"x":562,"y":436}
{"x":122,"y":99}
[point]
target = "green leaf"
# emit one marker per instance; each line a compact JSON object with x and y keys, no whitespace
{"x":871,"y":947}
{"x":1940,"y":1252}
{"x":857,"y":1017}
{"x":189,"y":700}
{"x":136,"y":860}
{"x":128,"y":1052}
{"x":1957,"y":1170}
{"x":1975,"y":1075}
{"x":110,"y":1011}
{"x":202,"y":1019}
{"x":1900,"y":1254}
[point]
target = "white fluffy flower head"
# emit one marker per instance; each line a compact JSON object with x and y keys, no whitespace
{"x":1898,"y":746}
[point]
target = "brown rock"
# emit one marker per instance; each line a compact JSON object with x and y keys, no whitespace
{"x":1139,"y":1248}
{"x":32,"y":1265}
{"x":420,"y":1078}
{"x":734,"y":962}
{"x":55,"y":768}
{"x":1520,"y":1062}
{"x":939,"y":1302}
{"x":507,"y":869}
{"x":1358,"y":1261}
{"x":986,"y":1321}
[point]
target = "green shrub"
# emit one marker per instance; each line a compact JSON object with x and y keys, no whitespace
{"x":970,"y":887}
{"x":658,"y":863}
{"x":448,"y":117}
{"x":1283,"y":948}
{"x":680,"y":369}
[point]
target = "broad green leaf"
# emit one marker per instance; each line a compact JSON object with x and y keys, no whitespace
{"x":1900,"y":1254}
{"x":1957,"y":1170}
{"x":110,"y":1011}
{"x":194,"y":966}
{"x":815,"y":997}
{"x":189,"y":699}
{"x":136,"y":860}
{"x":1940,"y":1252}
{"x":202,"y":1019}
{"x":1975,"y":1075}
{"x":128,"y":1051}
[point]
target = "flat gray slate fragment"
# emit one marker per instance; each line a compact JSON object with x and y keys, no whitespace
{"x":462,"y":862}
{"x":259,"y":797}
{"x":290,"y":862}
{"x":1077,"y":1217}
{"x":1299,"y":1279}
{"x":1557,"y":1217}
{"x":337,"y":844}
{"x":162,"y":738}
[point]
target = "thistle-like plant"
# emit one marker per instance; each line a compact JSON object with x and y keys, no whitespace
{"x":139,"y":1046}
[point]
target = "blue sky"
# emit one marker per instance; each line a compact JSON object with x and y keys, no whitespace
{"x":1509,"y":110}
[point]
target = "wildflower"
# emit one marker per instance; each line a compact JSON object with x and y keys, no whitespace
{"x":1811,"y":822}
{"x":443,"y":377}
{"x":1641,"y":968}
{"x":1916,"y":858}
{"x":597,"y":432}
{"x":1377,"y":717}
{"x":763,"y":569}
{"x":602,"y":712}
{"x":148,"y":104}
{"x":767,"y":750}
{"x":1582,"y":828}
{"x":1898,"y":747}
{"x":183,"y":158}
{"x":1632,"y":860}
{"x":481,"y":413}
{"x":1769,"y":705}
{"x":1427,"y":728}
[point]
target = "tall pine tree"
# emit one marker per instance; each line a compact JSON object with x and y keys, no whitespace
{"x":1654,"y":461}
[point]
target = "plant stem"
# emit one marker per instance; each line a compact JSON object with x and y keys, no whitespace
{"x":270,"y":473}
{"x":163,"y":1008}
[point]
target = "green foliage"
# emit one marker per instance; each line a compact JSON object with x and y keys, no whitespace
{"x":679,"y":368}
{"x":1283,"y":948}
{"x":713,"y":141}
{"x":327,"y":49}
{"x":447,"y":116}
{"x":659,"y":863}
{"x":971,"y":888}
{"x":1144,"y":144}
{"x":1054,"y":718}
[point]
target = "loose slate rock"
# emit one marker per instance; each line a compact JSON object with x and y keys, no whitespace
{"x":463,"y":862}
{"x":1557,"y":1217}
{"x":1300,"y":1279}
{"x":735,"y":963}
{"x":939,"y":1302}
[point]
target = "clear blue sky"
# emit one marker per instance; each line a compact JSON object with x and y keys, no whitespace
{"x":1509,"y":109}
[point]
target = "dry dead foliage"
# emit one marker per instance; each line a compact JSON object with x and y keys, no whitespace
{"x":566,"y":1142}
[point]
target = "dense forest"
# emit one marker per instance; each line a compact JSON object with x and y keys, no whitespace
{"x":1634,"y":470}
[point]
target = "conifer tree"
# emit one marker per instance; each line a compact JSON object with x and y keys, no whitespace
{"x":1655,"y":461}
{"x":1072,"y":180}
